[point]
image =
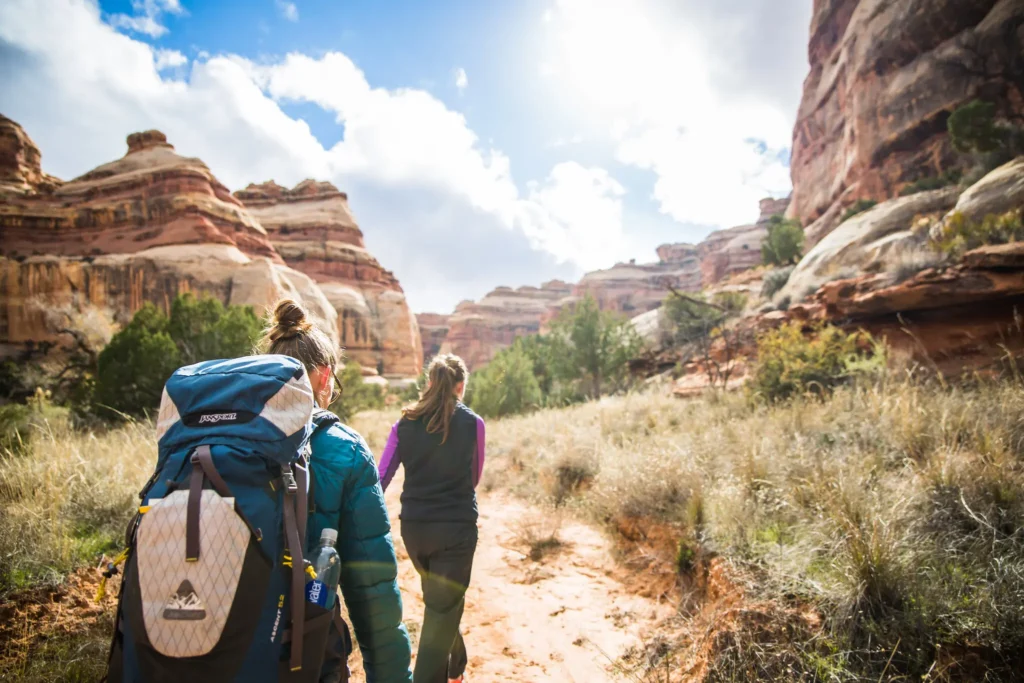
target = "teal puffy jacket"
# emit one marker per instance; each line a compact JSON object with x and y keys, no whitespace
{"x":347,"y":496}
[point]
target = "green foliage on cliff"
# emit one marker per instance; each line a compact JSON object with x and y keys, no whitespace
{"x":860,"y":206}
{"x":784,"y":244}
{"x":960,"y":234}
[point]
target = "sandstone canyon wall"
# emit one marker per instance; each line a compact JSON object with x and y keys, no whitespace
{"x":155,"y":224}
{"x":312,"y":228}
{"x":885,"y":76}
{"x":477,"y":330}
{"x":433,"y":331}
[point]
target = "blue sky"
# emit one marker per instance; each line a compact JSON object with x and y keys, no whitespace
{"x":481,"y":143}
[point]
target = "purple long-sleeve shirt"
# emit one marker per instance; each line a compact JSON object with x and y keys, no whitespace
{"x":390,"y":460}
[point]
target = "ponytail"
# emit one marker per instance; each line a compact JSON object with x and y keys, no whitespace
{"x":437,"y":402}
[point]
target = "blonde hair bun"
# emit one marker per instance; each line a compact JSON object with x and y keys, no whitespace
{"x":289,"y":320}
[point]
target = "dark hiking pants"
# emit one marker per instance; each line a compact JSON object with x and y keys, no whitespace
{"x":442,"y":553}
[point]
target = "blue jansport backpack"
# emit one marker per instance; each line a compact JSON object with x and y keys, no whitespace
{"x":213,"y":587}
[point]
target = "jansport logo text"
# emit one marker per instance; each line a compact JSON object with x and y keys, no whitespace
{"x":214,"y":418}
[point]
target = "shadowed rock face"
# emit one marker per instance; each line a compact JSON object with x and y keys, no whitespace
{"x":885,"y":76}
{"x":312,"y":228}
{"x":433,"y":331}
{"x":144,"y":228}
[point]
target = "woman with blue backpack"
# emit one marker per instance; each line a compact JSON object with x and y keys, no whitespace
{"x":230,"y":565}
{"x":347,"y":496}
{"x":440,"y":442}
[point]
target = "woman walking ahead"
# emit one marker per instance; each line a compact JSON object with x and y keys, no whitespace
{"x":347,"y":498}
{"x":441,"y":443}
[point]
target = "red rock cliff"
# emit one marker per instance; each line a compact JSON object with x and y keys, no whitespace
{"x":151,"y":197}
{"x":478,"y":330}
{"x":433,"y":331}
{"x":885,"y":76}
{"x":145,"y":228}
{"x":312,"y":227}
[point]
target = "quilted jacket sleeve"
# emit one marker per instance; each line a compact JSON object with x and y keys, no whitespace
{"x":349,"y":498}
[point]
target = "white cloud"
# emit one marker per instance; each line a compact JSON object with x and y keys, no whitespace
{"x":580,"y":213}
{"x":288,"y":10}
{"x":169,"y":59}
{"x":461,"y":80}
{"x":419,"y":177}
{"x":660,"y":79}
{"x":146,"y":19}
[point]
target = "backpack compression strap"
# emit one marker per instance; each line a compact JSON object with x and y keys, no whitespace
{"x":291,"y":531}
{"x":203,"y":467}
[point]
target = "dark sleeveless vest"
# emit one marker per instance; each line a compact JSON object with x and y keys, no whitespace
{"x":439,"y":476}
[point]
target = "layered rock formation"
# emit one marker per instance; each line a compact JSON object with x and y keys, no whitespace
{"x":144,"y":228}
{"x":885,"y":76}
{"x":478,"y":330}
{"x":312,"y":228}
{"x":151,"y":197}
{"x":726,"y":252}
{"x":634,"y":288}
{"x":433,"y":331}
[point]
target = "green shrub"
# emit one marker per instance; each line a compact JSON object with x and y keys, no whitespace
{"x":589,"y":349}
{"x":860,"y":206}
{"x":506,"y":386}
{"x":356,"y":393}
{"x":947,"y":178}
{"x":203,"y":329}
{"x":784,"y":243}
{"x":132,"y":369}
{"x":686,"y":319}
{"x":973,"y":129}
{"x":732,"y":302}
{"x":790,"y":363}
{"x":775,"y":280}
{"x":960,"y":234}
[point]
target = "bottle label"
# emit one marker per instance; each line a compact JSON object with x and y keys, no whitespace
{"x":317,"y":593}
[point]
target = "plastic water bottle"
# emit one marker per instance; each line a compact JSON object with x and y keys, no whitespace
{"x":327,"y":565}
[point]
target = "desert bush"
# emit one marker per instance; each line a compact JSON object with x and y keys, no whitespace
{"x":960,"y":234}
{"x":791,"y":363}
{"x":356,"y":393}
{"x":860,"y":206}
{"x":589,"y":349}
{"x":944,"y":179}
{"x":132,"y":369}
{"x":975,"y":132}
{"x":784,"y":243}
{"x":506,"y":386}
{"x":775,"y":280}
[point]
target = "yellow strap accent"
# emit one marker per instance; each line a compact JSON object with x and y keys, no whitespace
{"x":310,"y":571}
{"x":144,"y":509}
{"x":101,"y":590}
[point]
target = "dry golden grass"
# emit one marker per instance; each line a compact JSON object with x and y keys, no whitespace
{"x":895,"y":509}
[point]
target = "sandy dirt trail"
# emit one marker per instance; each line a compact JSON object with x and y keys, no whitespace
{"x":562,"y":618}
